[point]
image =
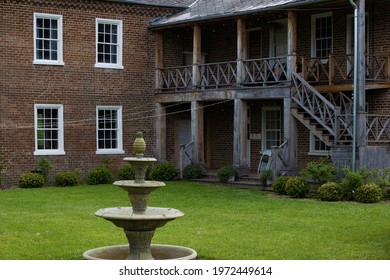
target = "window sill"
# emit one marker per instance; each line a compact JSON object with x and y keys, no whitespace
{"x":48,"y":62}
{"x":110,"y":152}
{"x":49,"y":153}
{"x":319,"y":153}
{"x":109,"y":66}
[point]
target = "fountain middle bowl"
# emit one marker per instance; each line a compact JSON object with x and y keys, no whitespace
{"x":152,"y":218}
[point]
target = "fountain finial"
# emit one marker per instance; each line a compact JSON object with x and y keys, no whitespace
{"x":139,"y":145}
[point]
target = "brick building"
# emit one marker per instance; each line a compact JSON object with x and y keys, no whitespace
{"x":246,"y":77}
{"x":76,"y":82}
{"x":225,"y":80}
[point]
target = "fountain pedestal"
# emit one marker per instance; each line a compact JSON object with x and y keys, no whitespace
{"x":139,"y":222}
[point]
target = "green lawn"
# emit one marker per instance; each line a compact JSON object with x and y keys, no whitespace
{"x":220,"y":223}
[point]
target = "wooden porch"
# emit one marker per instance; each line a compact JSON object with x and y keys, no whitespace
{"x":328,"y":74}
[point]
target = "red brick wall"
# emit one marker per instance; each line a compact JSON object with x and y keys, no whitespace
{"x":77,"y":85}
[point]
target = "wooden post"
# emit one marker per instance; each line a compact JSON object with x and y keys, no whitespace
{"x":159,"y":63}
{"x":197,"y":56}
{"x":388,"y":67}
{"x":161,"y":132}
{"x":331,"y":69}
{"x":361,"y":83}
{"x":304,"y":70}
{"x":240,"y":160}
{"x":290,"y":129}
{"x":292,"y":43}
{"x":197,"y":131}
{"x":241,"y":50}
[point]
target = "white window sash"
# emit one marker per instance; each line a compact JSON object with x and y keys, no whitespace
{"x":59,"y":60}
{"x":119,"y":149}
{"x":60,"y":150}
{"x":119,"y":63}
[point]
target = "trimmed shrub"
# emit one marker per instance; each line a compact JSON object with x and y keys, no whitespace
{"x":369,"y":193}
{"x":320,"y":171}
{"x":126,"y":172}
{"x":350,"y":183}
{"x":99,"y":175}
{"x":279,"y":186}
{"x":297,"y":187}
{"x":225,"y":173}
{"x":31,"y":180}
{"x":163,"y":171}
{"x":193,"y":171}
{"x":67,"y":179}
{"x":44,"y":167}
{"x":330,"y":191}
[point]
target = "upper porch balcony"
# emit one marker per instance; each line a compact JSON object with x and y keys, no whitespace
{"x":332,"y":73}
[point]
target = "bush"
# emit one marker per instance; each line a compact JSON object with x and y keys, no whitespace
{"x":330,"y":191}
{"x":320,"y":171}
{"x":297,"y":187}
{"x":126,"y":172}
{"x":225,"y":173}
{"x":44,"y":167}
{"x":350,"y":183}
{"x":99,"y":175}
{"x":193,"y":171}
{"x":31,"y":180}
{"x":163,"y":171}
{"x":369,"y":193}
{"x":279,"y":186}
{"x":65,"y":179}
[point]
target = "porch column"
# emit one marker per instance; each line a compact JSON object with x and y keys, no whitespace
{"x":242,"y":52}
{"x":197,"y":55}
{"x":197,"y":128}
{"x":291,"y":136}
{"x":292,"y":43}
{"x":159,"y":63}
{"x":161,"y":133}
{"x":361,"y":83}
{"x":240,"y":133}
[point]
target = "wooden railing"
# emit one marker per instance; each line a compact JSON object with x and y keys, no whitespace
{"x":378,"y":129}
{"x":334,"y":68}
{"x":176,"y":78}
{"x":265,"y":71}
{"x":254,"y":72}
{"x":315,"y":104}
{"x":217,"y":75}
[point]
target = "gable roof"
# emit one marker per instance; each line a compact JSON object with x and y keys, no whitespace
{"x":212,"y":9}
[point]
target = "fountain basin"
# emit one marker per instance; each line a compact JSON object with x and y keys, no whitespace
{"x":159,"y":252}
{"x":152,"y":218}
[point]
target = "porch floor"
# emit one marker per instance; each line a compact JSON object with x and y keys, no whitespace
{"x":252,"y":181}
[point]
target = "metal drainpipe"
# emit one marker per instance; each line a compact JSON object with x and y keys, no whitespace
{"x":355,"y":76}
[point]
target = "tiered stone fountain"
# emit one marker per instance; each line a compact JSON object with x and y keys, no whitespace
{"x":139,"y":222}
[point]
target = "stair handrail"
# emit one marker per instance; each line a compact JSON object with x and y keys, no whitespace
{"x":315,"y":104}
{"x":183,"y":154}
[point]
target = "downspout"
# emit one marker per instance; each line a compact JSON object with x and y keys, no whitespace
{"x":355,"y":81}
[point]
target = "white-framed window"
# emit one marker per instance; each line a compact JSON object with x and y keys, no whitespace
{"x":109,"y":130}
{"x":318,"y":147}
{"x":271,"y":127}
{"x":49,"y":129}
{"x":108,"y":43}
{"x":48,"y":39}
{"x":322,"y":34}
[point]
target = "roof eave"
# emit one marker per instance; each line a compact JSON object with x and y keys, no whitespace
{"x":137,"y":2}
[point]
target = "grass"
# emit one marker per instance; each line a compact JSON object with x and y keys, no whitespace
{"x":219,"y":223}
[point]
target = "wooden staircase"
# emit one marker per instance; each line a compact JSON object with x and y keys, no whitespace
{"x":327,"y":116}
